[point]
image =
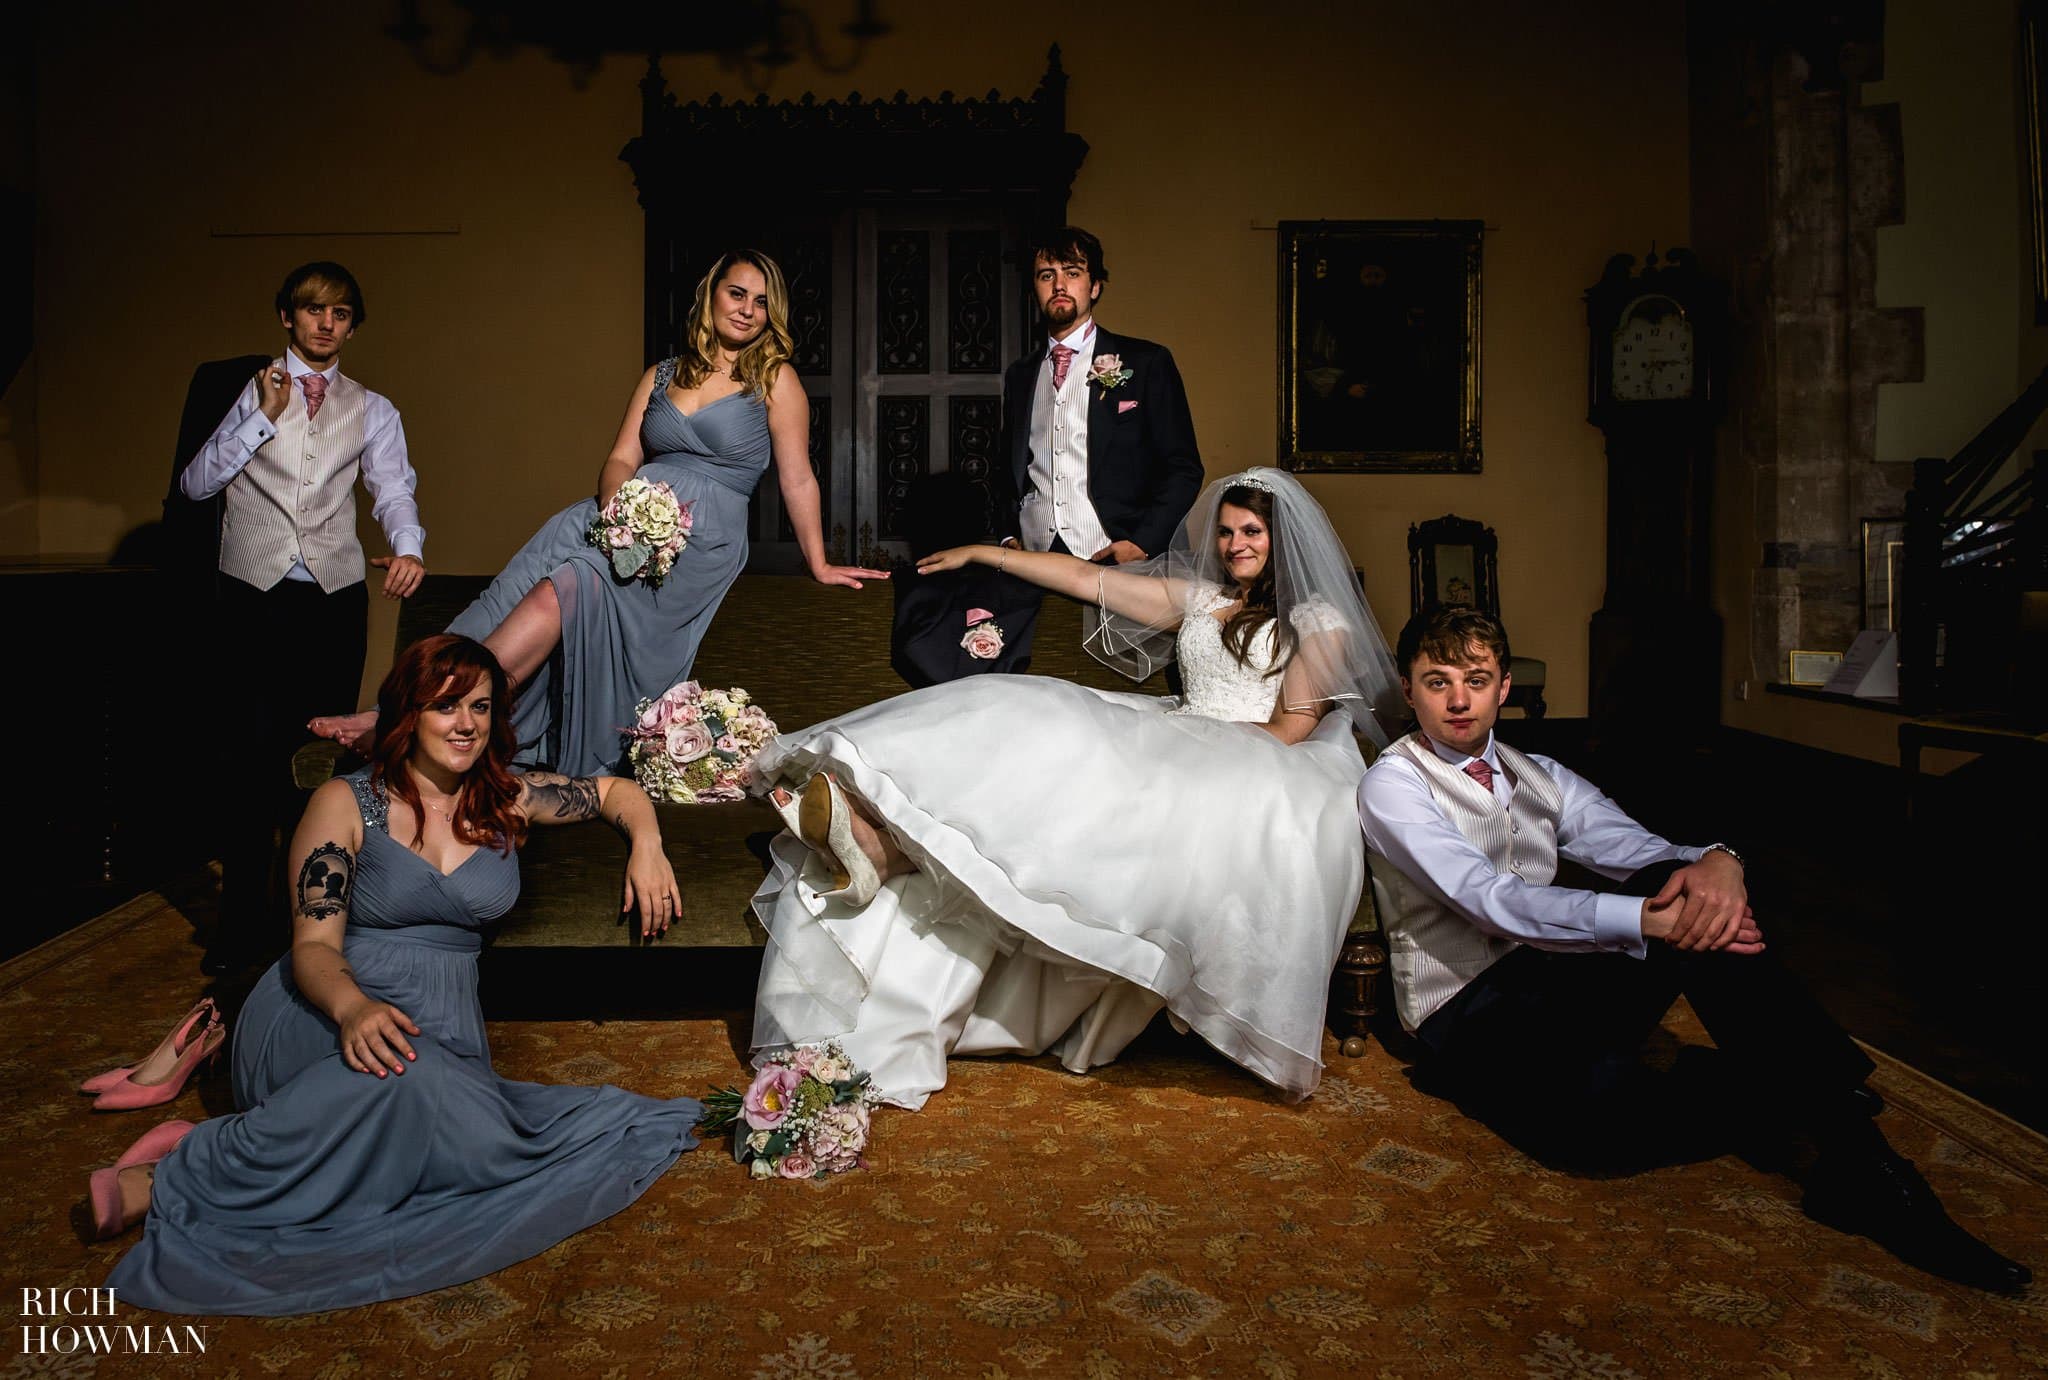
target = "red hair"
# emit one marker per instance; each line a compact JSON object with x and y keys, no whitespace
{"x":425,"y":672}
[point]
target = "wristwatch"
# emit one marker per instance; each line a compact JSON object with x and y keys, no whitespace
{"x":1724,"y":848}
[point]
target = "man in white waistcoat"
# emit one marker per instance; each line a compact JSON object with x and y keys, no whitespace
{"x":1529,"y":1002}
{"x":292,"y":602}
{"x":1098,"y":446}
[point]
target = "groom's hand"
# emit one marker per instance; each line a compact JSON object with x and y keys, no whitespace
{"x":1119,"y":553}
{"x":273,"y":390}
{"x":1709,"y":899}
{"x":402,"y":574}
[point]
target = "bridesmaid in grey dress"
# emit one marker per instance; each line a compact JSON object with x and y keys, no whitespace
{"x":584,"y":648}
{"x":378,"y":1154}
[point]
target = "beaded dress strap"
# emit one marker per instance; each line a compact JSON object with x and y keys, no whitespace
{"x":664,"y":373}
{"x":371,"y":800}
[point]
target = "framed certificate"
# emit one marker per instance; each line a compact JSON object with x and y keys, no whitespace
{"x":1812,"y":668}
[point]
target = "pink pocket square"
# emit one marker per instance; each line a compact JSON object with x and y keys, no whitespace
{"x":1126,"y":405}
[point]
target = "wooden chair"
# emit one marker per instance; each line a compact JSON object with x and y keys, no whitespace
{"x":1454,"y":560}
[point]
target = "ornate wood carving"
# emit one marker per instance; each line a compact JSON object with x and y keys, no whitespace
{"x":806,"y":261}
{"x":903,"y":316}
{"x":1015,"y":154}
{"x":973,"y":425}
{"x":974,"y":317}
{"x":903,"y":432}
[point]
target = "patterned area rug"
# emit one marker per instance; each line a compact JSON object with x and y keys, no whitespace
{"x":1165,"y":1217}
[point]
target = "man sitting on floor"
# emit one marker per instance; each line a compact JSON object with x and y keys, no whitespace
{"x":1530,"y":1002}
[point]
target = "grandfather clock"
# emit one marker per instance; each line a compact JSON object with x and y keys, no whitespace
{"x":1654,"y":386}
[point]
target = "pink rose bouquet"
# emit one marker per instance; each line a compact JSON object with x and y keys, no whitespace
{"x":642,"y":530}
{"x":692,"y":746}
{"x":805,"y":1115}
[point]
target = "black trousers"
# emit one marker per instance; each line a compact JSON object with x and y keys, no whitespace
{"x":286,"y":654}
{"x":1557,"y":1038}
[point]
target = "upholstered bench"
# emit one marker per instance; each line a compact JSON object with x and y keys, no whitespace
{"x":806,"y":652}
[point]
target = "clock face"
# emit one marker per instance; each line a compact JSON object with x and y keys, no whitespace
{"x":1653,"y":352}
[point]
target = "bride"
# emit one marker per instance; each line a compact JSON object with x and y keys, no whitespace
{"x":1011,"y":864}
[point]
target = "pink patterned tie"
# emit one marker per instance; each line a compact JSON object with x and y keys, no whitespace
{"x":1062,"y":358}
{"x":1481,"y":770}
{"x":316,"y":392}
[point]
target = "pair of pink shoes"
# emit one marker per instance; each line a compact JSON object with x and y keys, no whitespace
{"x":163,"y":1075}
{"x":104,"y":1192}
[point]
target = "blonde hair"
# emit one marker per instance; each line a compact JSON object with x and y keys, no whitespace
{"x":756,"y":365}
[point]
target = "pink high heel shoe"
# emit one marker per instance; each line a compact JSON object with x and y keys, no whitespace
{"x":128,"y":1095}
{"x":103,"y":1190}
{"x":173,"y":1045}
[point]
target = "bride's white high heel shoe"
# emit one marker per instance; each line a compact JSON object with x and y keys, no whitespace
{"x":820,"y":817}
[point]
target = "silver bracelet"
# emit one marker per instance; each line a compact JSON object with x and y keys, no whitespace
{"x":1724,"y":848}
{"x":1003,"y":559}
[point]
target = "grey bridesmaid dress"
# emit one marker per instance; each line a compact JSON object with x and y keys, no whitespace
{"x":623,"y":641}
{"x":333,"y":1188}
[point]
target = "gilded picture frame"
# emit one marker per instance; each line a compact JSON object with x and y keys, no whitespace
{"x":1380,"y":346}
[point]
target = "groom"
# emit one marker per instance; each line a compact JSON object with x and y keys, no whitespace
{"x":1098,"y":439}
{"x":1530,"y":1002}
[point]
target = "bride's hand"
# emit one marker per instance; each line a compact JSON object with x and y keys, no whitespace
{"x":950,"y":559}
{"x":848,"y":575}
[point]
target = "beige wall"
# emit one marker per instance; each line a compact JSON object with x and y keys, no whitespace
{"x":499,"y":240}
{"x":1950,"y":70}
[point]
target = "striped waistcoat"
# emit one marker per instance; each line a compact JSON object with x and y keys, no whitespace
{"x":297,"y":495}
{"x":1434,"y":950}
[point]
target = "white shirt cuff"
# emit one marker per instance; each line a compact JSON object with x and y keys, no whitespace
{"x":410,"y":541}
{"x":1618,"y":924}
{"x":255,"y":430}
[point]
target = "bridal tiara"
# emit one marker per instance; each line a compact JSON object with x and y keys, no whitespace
{"x":1248,"y":480}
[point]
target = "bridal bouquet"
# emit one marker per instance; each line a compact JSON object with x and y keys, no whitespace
{"x":694,"y":746}
{"x":805,"y":1116}
{"x":642,"y":530}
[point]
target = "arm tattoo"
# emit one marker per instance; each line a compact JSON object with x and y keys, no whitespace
{"x":552,"y":796}
{"x":324,"y":880}
{"x":617,"y":819}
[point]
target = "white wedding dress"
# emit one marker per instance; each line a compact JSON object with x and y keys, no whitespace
{"x":1084,"y":858}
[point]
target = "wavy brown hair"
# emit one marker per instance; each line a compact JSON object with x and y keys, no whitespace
{"x":1261,"y":601}
{"x":487,"y":811}
{"x":768,"y":351}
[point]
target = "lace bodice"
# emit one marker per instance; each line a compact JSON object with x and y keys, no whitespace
{"x":1216,"y":686}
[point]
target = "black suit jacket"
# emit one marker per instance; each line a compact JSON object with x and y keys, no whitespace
{"x":931,"y":618}
{"x":191,"y":531}
{"x":1143,"y":467}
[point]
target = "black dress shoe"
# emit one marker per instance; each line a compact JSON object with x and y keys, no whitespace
{"x":1882,"y":1196}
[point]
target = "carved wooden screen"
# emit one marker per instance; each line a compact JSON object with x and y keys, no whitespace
{"x":904,"y":321}
{"x":896,"y":223}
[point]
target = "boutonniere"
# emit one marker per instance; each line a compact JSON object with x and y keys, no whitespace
{"x":984,"y":640}
{"x":1108,"y":371}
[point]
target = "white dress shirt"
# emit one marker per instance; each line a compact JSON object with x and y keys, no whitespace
{"x":1404,"y":824}
{"x":387,"y":469}
{"x":1058,"y":503}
